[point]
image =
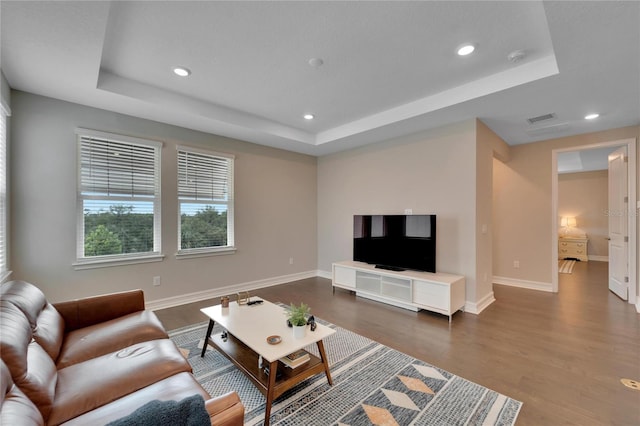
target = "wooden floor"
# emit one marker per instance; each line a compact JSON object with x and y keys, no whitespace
{"x":562,"y":355}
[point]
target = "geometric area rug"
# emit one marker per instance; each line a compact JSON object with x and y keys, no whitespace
{"x":372,"y":385}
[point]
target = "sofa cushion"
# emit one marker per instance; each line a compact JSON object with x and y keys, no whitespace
{"x":98,"y":381}
{"x":175,"y":387}
{"x":109,"y":336}
{"x":31,"y":368}
{"x":46,"y":323}
{"x":38,"y":381}
{"x":16,"y":336}
{"x":26,"y":297}
{"x":80,"y":313}
{"x":15,"y":407}
{"x":49,"y":331}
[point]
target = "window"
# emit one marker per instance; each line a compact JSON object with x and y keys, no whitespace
{"x":118,"y":198}
{"x":205,"y":198}
{"x":4,"y":241}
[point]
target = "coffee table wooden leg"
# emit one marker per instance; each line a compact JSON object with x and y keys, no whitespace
{"x":206,"y":338}
{"x":273,"y":370}
{"x":325,"y":361}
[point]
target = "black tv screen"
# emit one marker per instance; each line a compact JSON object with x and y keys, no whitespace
{"x":396,"y":241}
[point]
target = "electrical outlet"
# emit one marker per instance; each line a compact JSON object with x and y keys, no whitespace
{"x":516,"y":264}
{"x":156,"y":281}
{"x":291,"y":261}
{"x":408,"y":211}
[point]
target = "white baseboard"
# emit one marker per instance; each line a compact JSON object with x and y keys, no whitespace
{"x":638,"y":304}
{"x":471,"y":307}
{"x":531,"y":285}
{"x":598,"y":258}
{"x":222,"y":291}
{"x":324,"y":274}
{"x":481,"y":305}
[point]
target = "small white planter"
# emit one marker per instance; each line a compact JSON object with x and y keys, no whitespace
{"x":299,"y":331}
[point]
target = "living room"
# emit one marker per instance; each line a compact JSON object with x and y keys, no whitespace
{"x":293,"y":210}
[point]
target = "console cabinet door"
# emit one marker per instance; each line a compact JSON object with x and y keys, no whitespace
{"x":431,"y":294}
{"x":344,"y":277}
{"x":368,"y":282}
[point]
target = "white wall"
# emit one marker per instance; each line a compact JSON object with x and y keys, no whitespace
{"x":431,"y":172}
{"x":275,"y":206}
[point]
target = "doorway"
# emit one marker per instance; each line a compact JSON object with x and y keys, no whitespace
{"x":631,"y":256}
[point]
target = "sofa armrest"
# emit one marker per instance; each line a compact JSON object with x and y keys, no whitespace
{"x":225,"y":410}
{"x":88,"y":311}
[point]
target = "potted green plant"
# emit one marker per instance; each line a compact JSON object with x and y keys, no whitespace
{"x":297,"y":316}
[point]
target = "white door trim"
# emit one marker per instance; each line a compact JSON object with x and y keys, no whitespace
{"x":631,"y":216}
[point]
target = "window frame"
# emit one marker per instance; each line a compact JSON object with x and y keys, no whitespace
{"x":83,"y":262}
{"x":230,"y":248}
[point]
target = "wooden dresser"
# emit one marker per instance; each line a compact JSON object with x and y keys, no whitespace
{"x":573,"y":248}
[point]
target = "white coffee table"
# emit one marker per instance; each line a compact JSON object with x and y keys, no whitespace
{"x":248,"y":327}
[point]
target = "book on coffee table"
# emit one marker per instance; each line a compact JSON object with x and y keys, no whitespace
{"x":296,"y":359}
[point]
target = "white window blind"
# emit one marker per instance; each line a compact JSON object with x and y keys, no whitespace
{"x":205,"y":195}
{"x":119,"y":195}
{"x":112,"y":168}
{"x":4,"y":241}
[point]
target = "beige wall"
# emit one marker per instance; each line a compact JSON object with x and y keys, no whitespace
{"x":307,"y":216}
{"x":585,"y":197}
{"x":275,"y":207}
{"x":488,"y":145}
{"x":430,"y":172}
{"x":522,"y":205}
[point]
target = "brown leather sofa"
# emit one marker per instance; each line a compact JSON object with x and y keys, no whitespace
{"x":90,"y":361}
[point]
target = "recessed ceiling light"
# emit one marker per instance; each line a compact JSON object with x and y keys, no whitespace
{"x":316,"y":62}
{"x":308,"y":116}
{"x":591,"y":116}
{"x":182,"y":71}
{"x":466,"y":49}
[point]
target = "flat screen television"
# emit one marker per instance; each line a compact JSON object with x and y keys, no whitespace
{"x":395,"y":242}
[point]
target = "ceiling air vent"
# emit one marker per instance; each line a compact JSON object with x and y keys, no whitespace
{"x":534,"y":120}
{"x":548,"y":130}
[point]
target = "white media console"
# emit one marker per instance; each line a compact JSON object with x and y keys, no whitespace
{"x":436,"y":292}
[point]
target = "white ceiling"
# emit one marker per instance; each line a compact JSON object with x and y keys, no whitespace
{"x":586,"y":160}
{"x":389,"y":69}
